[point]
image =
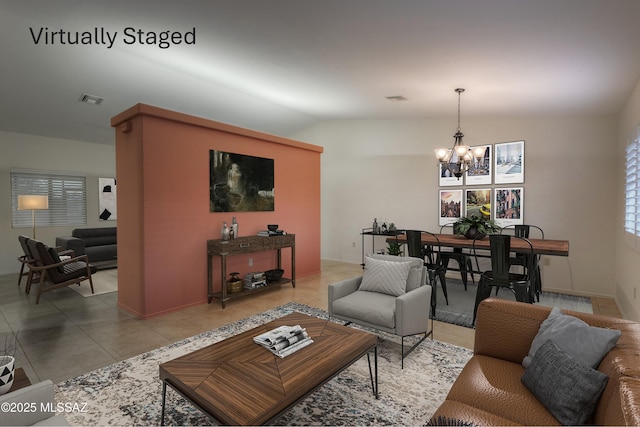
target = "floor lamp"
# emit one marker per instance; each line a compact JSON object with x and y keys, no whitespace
{"x":33,"y":203}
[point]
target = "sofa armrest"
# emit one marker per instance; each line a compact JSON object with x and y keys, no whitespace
{"x":34,"y":398}
{"x":71,"y":243}
{"x":412,"y":311}
{"x":341,"y":289}
{"x":505,"y":329}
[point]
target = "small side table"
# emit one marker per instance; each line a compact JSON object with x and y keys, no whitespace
{"x":20,"y":380}
{"x":369,"y":232}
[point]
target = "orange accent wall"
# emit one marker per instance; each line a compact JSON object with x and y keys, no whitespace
{"x":164,"y":221}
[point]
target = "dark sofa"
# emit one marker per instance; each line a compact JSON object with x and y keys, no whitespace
{"x":100,"y":245}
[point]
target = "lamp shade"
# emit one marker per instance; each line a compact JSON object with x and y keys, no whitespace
{"x":32,"y":202}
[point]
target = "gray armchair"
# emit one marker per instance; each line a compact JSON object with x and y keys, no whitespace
{"x":391,"y":296}
{"x":37,"y":406}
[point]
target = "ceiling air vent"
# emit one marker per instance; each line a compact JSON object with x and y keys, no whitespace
{"x":91,"y":99}
{"x":396,"y":98}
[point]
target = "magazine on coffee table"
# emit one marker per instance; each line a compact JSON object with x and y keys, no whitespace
{"x":284,"y":340}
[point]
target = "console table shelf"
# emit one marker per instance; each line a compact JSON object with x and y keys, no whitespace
{"x":246,"y":245}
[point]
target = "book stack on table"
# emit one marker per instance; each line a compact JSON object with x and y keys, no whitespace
{"x":284,"y":340}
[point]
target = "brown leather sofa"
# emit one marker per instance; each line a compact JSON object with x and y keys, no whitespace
{"x":489,"y":390}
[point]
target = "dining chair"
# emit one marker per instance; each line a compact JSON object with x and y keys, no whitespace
{"x":465,"y":265}
{"x":430,"y":255}
{"x":499,"y":276}
{"x":524,"y":230}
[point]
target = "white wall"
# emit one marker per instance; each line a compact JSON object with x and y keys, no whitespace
{"x":627,"y":275}
{"x":386,"y":169}
{"x":48,"y":154}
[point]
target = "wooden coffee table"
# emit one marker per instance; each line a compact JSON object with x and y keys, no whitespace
{"x":238,"y":382}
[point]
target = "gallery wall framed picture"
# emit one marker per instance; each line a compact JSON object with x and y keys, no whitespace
{"x":478,"y":203}
{"x":509,"y":162}
{"x":508,"y":206}
{"x":481,"y":172}
{"x":445,"y":177}
{"x":450,"y":206}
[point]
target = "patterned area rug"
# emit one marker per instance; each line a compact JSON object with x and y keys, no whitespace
{"x":128,"y":393}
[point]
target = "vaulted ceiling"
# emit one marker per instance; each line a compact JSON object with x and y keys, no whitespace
{"x":281,"y":65}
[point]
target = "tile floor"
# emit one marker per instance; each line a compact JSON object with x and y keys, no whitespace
{"x":67,"y":334}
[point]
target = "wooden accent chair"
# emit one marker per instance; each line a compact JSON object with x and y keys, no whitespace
{"x":25,"y":260}
{"x":56,"y":273}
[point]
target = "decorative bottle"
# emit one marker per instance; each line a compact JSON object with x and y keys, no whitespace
{"x":234,"y":227}
{"x":376,"y":229}
{"x":225,"y":231}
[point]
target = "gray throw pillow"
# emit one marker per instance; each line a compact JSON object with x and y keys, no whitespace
{"x":587,"y":344}
{"x":386,"y":277}
{"x":567,"y":388}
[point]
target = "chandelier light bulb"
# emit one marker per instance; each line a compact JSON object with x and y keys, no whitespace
{"x":478,"y":152}
{"x":441,"y":153}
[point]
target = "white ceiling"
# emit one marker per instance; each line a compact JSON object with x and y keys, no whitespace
{"x":281,"y":65}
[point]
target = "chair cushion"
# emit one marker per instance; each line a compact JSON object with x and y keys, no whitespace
{"x":56,"y":259}
{"x":585,"y":343}
{"x":567,"y":388}
{"x":372,"y":307}
{"x":387,"y":277}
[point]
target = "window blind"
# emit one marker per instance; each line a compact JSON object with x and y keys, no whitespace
{"x":632,"y":188}
{"x":67,"y":198}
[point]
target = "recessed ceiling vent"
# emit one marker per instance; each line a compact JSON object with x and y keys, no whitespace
{"x":91,"y":99}
{"x":397,"y":98}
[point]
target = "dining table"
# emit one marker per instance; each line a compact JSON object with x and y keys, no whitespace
{"x":555,"y":247}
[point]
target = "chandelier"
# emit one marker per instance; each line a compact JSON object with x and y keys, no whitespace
{"x":461,"y":158}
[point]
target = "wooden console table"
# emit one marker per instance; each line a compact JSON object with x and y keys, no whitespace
{"x":246,"y":245}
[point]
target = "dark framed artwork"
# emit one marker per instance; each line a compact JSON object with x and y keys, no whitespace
{"x":450,"y":206}
{"x":478,"y":203}
{"x":240,"y":183}
{"x":445,"y":177}
{"x":480,"y":173}
{"x":509,"y":206}
{"x":509,"y":162}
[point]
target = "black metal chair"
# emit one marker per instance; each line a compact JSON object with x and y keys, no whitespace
{"x":430,"y":254}
{"x":524,"y":230}
{"x":499,"y":276}
{"x":465,"y":265}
